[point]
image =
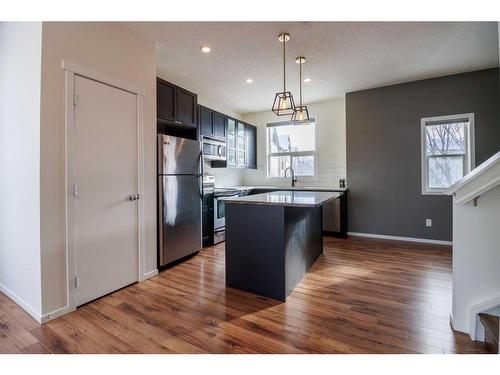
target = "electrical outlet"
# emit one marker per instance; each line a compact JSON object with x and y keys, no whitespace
{"x":428,"y":222}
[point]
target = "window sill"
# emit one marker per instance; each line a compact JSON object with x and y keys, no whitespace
{"x":441,"y":192}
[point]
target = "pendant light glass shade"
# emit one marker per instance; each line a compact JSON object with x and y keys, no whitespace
{"x":283,"y":101}
{"x":301,"y":114}
{"x":284,"y":104}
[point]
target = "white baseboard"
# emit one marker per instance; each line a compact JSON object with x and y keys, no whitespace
{"x":475,"y":309}
{"x":149,"y":275}
{"x":56,"y":314}
{"x":25,"y":306}
{"x":458,"y":326}
{"x":396,"y":238}
{"x":67,"y":309}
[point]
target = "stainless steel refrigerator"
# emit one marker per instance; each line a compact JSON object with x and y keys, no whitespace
{"x":179,"y":198}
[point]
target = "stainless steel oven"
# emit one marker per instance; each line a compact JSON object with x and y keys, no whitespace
{"x":213,"y":149}
{"x":220,"y":195}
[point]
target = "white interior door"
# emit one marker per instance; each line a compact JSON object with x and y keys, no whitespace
{"x":106,"y":174}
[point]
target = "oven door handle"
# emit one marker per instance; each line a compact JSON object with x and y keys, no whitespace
{"x":225,"y":197}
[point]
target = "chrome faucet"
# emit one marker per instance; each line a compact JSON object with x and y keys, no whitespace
{"x":292,"y":172}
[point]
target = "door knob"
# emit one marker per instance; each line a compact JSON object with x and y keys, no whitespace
{"x":133,"y":197}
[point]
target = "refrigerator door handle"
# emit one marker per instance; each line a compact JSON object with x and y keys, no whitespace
{"x":200,"y":186}
{"x":160,"y":220}
{"x":200,"y":163}
{"x":200,"y":175}
{"x":159,"y":153}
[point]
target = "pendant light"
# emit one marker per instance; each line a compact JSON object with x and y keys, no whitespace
{"x":283,"y":101}
{"x":301,"y":114}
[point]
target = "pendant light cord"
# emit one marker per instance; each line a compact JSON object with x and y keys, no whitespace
{"x":300,"y":83}
{"x":284,"y":64}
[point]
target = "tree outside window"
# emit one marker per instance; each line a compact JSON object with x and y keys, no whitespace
{"x":446,"y":151}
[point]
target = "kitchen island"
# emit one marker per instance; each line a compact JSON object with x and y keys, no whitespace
{"x":334,"y":212}
{"x":272,"y":239}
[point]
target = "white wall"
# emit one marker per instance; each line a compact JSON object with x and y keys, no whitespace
{"x":20,"y":59}
{"x":118,"y":52}
{"x":476,"y":256}
{"x":331,"y":141}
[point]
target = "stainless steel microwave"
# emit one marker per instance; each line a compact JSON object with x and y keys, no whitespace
{"x":213,"y":149}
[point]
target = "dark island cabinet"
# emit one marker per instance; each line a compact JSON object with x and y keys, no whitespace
{"x":175,"y":105}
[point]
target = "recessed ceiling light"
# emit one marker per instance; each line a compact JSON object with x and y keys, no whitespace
{"x":249,"y":80}
{"x":205,"y":49}
{"x":307,"y":80}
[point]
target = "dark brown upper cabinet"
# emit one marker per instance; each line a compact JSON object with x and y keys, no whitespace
{"x":186,"y":107}
{"x":219,"y":122}
{"x":165,"y":100}
{"x":175,"y":105}
{"x":212,"y":123}
{"x":240,"y":137}
{"x":251,"y":139}
{"x":206,"y":122}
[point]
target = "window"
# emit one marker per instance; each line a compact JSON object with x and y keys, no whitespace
{"x":447,"y":151}
{"x":291,"y":145}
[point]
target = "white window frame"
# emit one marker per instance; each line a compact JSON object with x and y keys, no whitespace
{"x":297,"y":153}
{"x":469,"y":142}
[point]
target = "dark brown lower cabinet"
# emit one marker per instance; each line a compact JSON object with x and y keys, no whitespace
{"x":207,"y":218}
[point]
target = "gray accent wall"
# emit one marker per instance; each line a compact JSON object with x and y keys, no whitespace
{"x":383,"y":150}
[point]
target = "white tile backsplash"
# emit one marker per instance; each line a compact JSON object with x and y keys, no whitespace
{"x":225,"y":176}
{"x":327,"y":176}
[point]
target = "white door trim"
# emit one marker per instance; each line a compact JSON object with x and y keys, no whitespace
{"x":98,"y":76}
{"x":70,"y":70}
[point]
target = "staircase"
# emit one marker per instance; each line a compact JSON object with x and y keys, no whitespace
{"x":491,"y":330}
{"x":476,"y":254}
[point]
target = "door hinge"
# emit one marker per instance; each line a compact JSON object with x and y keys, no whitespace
{"x":75,"y":99}
{"x":75,"y":190}
{"x":77,"y":282}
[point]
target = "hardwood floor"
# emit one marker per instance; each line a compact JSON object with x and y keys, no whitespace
{"x":361,"y":296}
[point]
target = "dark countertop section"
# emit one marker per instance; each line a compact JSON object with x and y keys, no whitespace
{"x":287,"y":198}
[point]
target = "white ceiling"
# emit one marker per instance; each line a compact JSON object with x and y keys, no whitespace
{"x":341,"y":56}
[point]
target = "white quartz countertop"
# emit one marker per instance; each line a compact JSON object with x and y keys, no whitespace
{"x":286,"y":188}
{"x":287,"y":198}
